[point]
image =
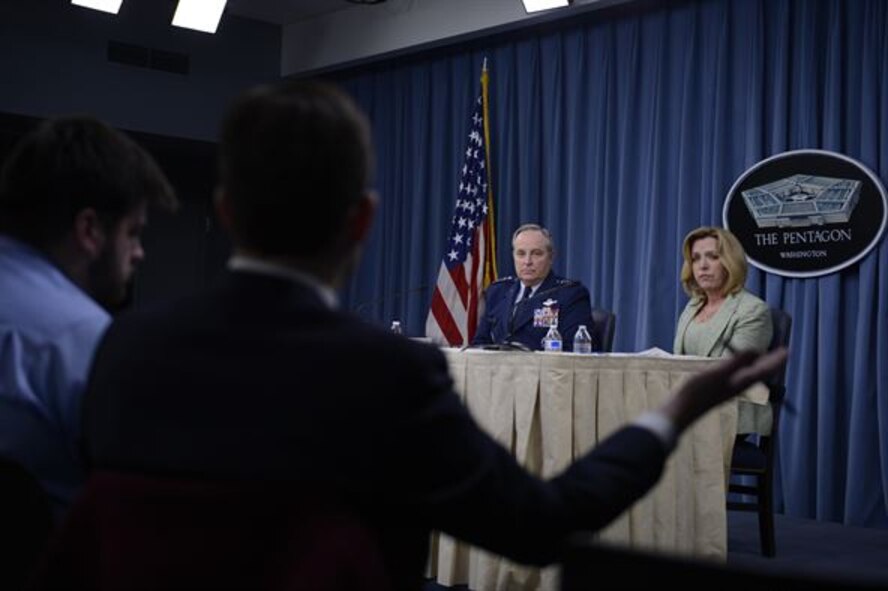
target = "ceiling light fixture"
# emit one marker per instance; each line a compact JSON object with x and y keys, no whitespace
{"x":111,"y":6}
{"x":200,"y":15}
{"x":538,"y":5}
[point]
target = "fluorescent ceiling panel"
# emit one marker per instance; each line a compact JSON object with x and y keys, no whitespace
{"x":111,"y":6}
{"x":537,"y":5}
{"x":200,"y":15}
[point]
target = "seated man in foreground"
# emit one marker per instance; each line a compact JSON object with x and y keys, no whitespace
{"x":264,"y":379}
{"x":522,"y":308}
{"x":73,"y":203}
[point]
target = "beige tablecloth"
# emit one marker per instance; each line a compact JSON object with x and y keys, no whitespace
{"x":551,"y":408}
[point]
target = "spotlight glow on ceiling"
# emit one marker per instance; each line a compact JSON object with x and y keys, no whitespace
{"x":200,"y":15}
{"x":111,"y":6}
{"x":537,"y":5}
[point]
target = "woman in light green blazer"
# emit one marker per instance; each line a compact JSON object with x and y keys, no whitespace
{"x":721,"y":316}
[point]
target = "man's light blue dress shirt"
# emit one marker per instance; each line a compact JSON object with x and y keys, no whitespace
{"x":49,"y":329}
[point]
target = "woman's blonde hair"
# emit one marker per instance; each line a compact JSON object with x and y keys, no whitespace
{"x":730,"y":253}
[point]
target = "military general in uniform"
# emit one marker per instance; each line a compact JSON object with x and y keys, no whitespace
{"x":522,"y":308}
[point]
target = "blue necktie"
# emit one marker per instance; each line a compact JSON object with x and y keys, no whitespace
{"x":525,"y":294}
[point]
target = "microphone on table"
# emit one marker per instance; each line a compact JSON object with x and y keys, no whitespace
{"x":503,"y":345}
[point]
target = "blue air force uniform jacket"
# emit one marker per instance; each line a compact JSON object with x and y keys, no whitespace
{"x":501,"y":324}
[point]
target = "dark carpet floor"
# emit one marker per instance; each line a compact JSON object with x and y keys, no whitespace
{"x":812,"y":547}
{"x":803,"y":547}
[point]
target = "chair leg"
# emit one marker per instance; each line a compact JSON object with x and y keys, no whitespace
{"x":766,"y":517}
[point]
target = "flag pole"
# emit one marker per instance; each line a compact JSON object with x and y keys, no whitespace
{"x":490,"y":271}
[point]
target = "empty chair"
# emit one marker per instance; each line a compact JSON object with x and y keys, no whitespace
{"x":604,"y":324}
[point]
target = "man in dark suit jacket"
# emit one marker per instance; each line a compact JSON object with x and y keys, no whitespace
{"x":263,"y":378}
{"x":522,"y":308}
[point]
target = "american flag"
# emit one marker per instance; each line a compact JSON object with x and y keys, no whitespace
{"x":469,"y":264}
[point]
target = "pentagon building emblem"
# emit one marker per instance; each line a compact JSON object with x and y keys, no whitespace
{"x":802,"y":200}
{"x":806,"y":213}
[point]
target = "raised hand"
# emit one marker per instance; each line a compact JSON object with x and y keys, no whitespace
{"x":720,"y":383}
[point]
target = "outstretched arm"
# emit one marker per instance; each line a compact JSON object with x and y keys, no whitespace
{"x":707,"y":390}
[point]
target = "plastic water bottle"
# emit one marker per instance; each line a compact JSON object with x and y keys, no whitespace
{"x":582,"y":340}
{"x":396,"y":327}
{"x":552,"y":340}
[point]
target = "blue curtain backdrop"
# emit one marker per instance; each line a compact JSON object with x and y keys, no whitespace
{"x":623,"y":132}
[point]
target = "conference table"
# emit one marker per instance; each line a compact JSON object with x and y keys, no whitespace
{"x":550,"y":408}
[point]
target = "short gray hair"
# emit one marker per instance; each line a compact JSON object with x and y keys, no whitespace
{"x":533,"y":227}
